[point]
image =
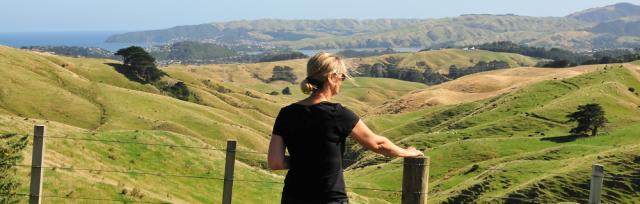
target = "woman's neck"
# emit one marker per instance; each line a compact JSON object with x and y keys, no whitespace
{"x":318,"y":97}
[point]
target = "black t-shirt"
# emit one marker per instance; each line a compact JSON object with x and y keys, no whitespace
{"x":314,"y":136}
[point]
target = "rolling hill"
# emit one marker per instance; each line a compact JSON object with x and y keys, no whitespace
{"x":594,"y":28}
{"x":514,"y":147}
{"x":513,"y":130}
{"x":607,"y":13}
{"x":480,"y":86}
{"x":264,"y":30}
{"x":82,"y":100}
{"x":441,"y":60}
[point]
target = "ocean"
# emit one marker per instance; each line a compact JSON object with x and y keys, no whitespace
{"x":82,"y":39}
{"x":97,"y":39}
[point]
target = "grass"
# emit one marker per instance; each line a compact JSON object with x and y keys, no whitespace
{"x":522,"y":130}
{"x":87,"y":98}
{"x":503,"y":135}
{"x":441,"y":60}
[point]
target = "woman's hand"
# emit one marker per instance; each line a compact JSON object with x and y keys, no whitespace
{"x":412,"y":152}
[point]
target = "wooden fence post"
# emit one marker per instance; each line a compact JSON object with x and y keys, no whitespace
{"x":228,"y":172}
{"x":415,"y":180}
{"x":595,"y":191}
{"x":37,"y":159}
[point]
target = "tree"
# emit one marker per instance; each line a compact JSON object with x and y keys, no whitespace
{"x":286,"y":91}
{"x":140,"y":64}
{"x":11,"y":146}
{"x":590,"y":117}
{"x":283,"y":73}
{"x":180,"y":91}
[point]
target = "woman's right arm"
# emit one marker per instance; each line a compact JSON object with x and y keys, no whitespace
{"x":379,"y":144}
{"x":276,"y":160}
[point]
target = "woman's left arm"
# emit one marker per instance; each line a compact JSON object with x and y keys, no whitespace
{"x":276,"y":160}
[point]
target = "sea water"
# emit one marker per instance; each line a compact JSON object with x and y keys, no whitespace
{"x":82,"y":39}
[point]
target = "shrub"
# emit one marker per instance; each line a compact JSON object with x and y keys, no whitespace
{"x":11,"y":146}
{"x":286,"y":91}
{"x":283,"y":73}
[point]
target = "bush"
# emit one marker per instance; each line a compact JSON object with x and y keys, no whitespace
{"x":180,"y":91}
{"x":283,"y":73}
{"x":286,"y":91}
{"x":11,"y":146}
{"x":633,"y":90}
{"x":136,"y":192}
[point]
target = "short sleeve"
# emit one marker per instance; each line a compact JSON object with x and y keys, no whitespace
{"x":278,"y":126}
{"x":347,"y":120}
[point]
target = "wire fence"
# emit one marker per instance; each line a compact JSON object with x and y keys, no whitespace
{"x":445,"y":194}
{"x":155,"y":174}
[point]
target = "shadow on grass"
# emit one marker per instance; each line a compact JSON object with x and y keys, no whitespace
{"x":125,"y":71}
{"x":562,"y":139}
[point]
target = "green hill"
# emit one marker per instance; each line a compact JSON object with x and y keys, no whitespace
{"x":595,"y":28}
{"x":115,"y":139}
{"x":88,"y":99}
{"x":515,"y":145}
{"x":441,"y":60}
{"x":607,"y":13}
{"x":263,"y":30}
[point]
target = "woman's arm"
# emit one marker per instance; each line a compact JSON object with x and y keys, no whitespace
{"x":276,"y":159}
{"x":379,"y":144}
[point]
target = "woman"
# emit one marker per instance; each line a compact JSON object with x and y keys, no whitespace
{"x":314,"y":130}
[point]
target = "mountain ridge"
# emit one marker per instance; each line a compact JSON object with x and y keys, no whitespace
{"x":607,"y":13}
{"x":463,"y":30}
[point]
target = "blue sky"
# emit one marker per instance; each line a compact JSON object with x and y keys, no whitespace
{"x":128,"y":15}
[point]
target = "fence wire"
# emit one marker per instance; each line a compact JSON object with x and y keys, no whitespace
{"x":136,"y":143}
{"x":164,"y":175}
{"x":80,"y":198}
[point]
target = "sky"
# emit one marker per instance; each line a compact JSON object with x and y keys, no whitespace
{"x":132,"y":15}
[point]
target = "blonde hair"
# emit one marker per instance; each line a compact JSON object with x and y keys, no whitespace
{"x":318,"y":69}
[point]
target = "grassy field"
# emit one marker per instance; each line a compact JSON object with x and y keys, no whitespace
{"x":441,"y":60}
{"x":518,"y":143}
{"x":88,"y":99}
{"x":480,"y":86}
{"x":85,"y":104}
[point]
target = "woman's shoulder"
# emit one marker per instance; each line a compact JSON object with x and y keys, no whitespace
{"x":325,"y":105}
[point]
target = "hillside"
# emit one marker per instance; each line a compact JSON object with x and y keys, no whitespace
{"x":110,"y":137}
{"x":455,"y":31}
{"x":629,"y":26}
{"x":514,"y":147}
{"x":441,"y":60}
{"x":87,"y":101}
{"x":607,"y":13}
{"x":479,"y":86}
{"x":264,"y":30}
{"x":583,"y":30}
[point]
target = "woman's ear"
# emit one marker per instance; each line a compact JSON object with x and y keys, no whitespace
{"x":331,"y":79}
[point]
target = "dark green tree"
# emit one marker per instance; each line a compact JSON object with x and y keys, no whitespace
{"x":11,"y":146}
{"x":283,"y":73}
{"x":286,"y":91}
{"x":590,"y":117}
{"x":140,"y":64}
{"x":180,"y":91}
